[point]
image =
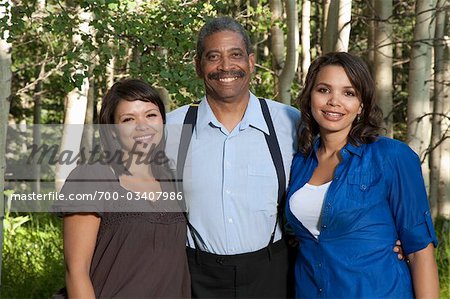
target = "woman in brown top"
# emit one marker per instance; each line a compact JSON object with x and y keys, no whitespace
{"x":132,"y":245}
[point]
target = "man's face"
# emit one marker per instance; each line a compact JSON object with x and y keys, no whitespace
{"x":225,"y":67}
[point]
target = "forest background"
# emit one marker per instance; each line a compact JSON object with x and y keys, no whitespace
{"x":58,"y":58}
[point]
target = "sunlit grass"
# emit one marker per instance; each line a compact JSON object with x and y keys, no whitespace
{"x":32,"y":256}
{"x":33,"y":259}
{"x":442,"y":226}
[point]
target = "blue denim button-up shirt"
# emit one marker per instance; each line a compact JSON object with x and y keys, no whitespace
{"x":376,"y":197}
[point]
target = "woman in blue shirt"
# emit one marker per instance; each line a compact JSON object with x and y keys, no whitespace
{"x":353,"y":193}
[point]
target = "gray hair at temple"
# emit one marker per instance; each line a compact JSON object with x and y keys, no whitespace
{"x":221,"y":24}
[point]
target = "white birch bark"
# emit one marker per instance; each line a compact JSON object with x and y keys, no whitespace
{"x":382,"y":68}
{"x":305,"y":37}
{"x":291,"y":62}
{"x":5,"y":92}
{"x":75,"y":113}
{"x":110,"y":72}
{"x":371,"y":35}
{"x":276,"y":38}
{"x":419,"y":82}
{"x":331,"y":26}
{"x":344,"y":25}
{"x":440,"y":133}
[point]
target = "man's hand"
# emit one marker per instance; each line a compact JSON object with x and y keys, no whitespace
{"x":399,"y":249}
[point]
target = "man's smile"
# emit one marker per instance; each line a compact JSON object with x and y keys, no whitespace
{"x":226,"y":77}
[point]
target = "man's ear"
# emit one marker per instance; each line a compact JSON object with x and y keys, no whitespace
{"x":198,"y":67}
{"x":251,"y":62}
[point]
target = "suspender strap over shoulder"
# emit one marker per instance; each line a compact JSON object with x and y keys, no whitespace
{"x":186,"y":136}
{"x":272,"y":143}
{"x":277,"y":158}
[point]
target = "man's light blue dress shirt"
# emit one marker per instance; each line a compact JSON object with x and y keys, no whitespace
{"x":229,"y":179}
{"x":377,"y":196}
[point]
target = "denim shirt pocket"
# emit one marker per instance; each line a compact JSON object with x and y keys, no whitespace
{"x":361,"y":187}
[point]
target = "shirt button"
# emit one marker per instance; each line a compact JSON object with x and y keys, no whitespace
{"x":363,"y":187}
{"x":228,"y":191}
{"x":324,"y":226}
{"x":319,"y":265}
{"x":230,"y":220}
{"x":336,"y":178}
{"x":320,"y":290}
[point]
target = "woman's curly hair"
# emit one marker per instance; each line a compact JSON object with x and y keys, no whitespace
{"x":365,"y":129}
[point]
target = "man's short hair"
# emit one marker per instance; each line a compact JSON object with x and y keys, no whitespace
{"x":221,"y":24}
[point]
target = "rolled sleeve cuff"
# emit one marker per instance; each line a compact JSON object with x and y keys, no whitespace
{"x":420,"y":236}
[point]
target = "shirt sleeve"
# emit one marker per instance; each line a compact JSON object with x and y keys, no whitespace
{"x":80,"y":193}
{"x":408,"y":200}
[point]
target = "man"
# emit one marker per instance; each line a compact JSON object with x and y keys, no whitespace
{"x":230,"y":180}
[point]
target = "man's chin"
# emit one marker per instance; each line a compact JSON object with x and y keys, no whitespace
{"x":226,"y":95}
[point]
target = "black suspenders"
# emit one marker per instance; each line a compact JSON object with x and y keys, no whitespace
{"x":272,"y":143}
{"x":277,"y":158}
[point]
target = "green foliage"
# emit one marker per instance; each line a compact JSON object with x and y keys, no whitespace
{"x":442,"y":226}
{"x":32,"y":256}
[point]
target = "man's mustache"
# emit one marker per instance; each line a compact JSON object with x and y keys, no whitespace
{"x":220,"y":75}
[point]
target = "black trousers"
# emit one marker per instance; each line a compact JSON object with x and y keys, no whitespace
{"x":266,"y":273}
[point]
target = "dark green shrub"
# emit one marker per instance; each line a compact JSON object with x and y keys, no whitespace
{"x":32,"y":256}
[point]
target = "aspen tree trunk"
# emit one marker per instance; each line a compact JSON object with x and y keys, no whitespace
{"x":88,"y":132}
{"x":439,"y":170}
{"x":276,"y":41}
{"x":419,"y":82}
{"x":306,"y":33}
{"x":5,"y":93}
{"x":255,"y":35}
{"x":110,"y":71}
{"x":371,"y":35}
{"x":74,"y":114}
{"x":317,"y":35}
{"x":291,"y":63}
{"x":325,"y":12}
{"x":37,"y":130}
{"x":382,"y":68}
{"x":344,"y":26}
{"x":37,"y":108}
{"x":435,"y":149}
{"x":331,"y":26}
{"x":444,"y":180}
{"x":165,"y":97}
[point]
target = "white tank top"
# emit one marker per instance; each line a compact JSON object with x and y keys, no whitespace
{"x":306,"y":205}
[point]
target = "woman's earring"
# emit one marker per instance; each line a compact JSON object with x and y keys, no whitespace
{"x":358,"y":118}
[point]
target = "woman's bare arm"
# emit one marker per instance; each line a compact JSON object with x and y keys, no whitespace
{"x":80,"y":236}
{"x":424,"y":273}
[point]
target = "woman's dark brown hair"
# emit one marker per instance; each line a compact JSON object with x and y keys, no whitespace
{"x":365,"y":129}
{"x":131,"y":90}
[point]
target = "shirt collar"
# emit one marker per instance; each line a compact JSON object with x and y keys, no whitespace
{"x":205,"y":116}
{"x":356,"y":150}
{"x":253,"y":116}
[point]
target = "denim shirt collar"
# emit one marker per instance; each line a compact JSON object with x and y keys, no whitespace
{"x":353,"y":149}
